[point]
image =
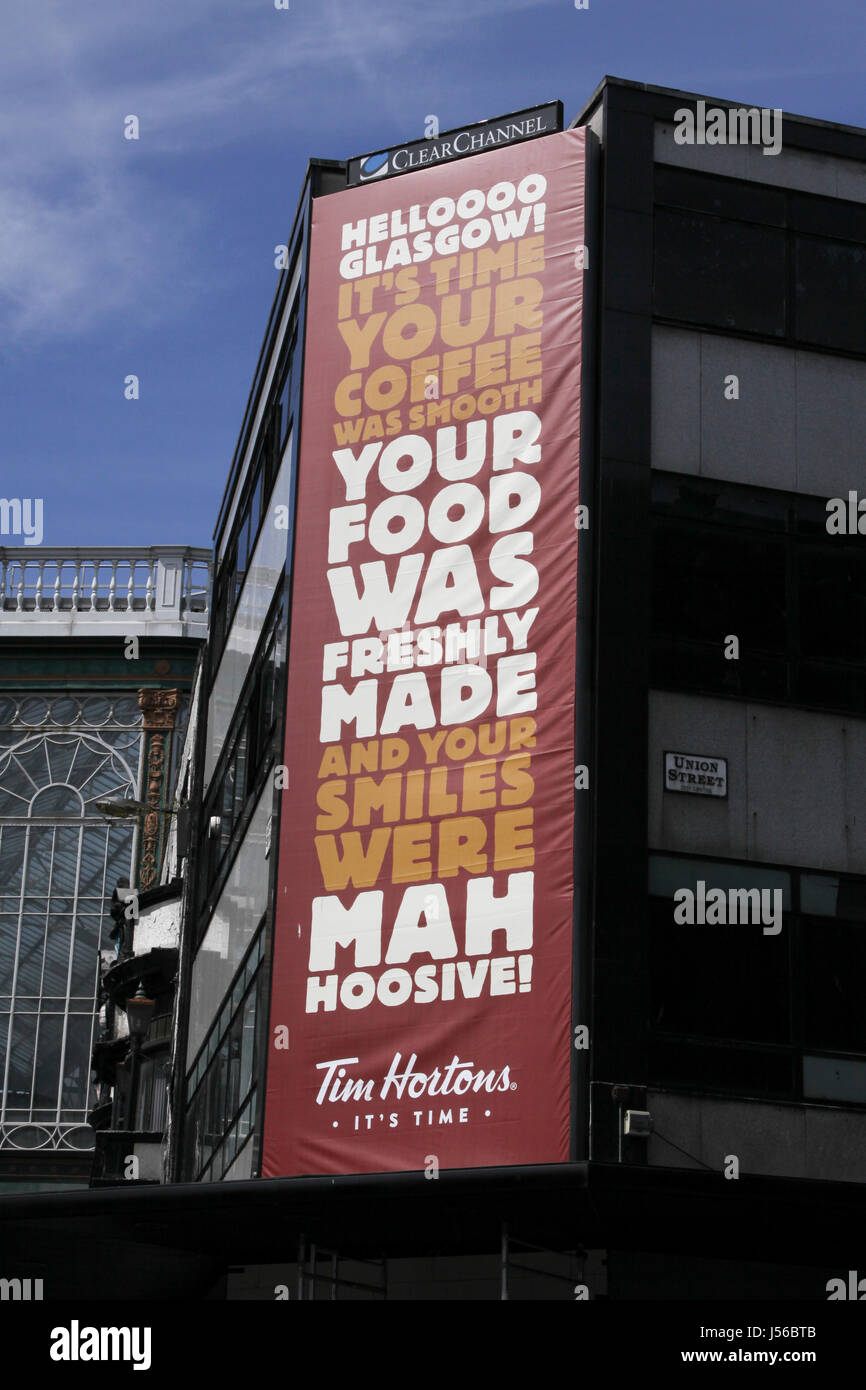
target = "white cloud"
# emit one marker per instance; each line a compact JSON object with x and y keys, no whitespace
{"x":91,"y":225}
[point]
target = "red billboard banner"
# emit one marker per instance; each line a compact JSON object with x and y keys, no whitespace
{"x":422,"y":969}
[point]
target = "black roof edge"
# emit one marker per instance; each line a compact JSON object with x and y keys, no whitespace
{"x":255,"y":1191}
{"x":677,"y":93}
{"x":208,"y":1198}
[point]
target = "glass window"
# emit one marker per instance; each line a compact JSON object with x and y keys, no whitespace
{"x":12,"y":842}
{"x":228,"y":801}
{"x":231,"y":928}
{"x":831,"y":281}
{"x":243,"y":551}
{"x":834,"y":1078}
{"x":718,"y":981}
{"x":726,"y":197}
{"x":221,"y":1082}
{"x":233,"y":1081}
{"x":47,"y":1071}
{"x":818,"y":894}
{"x":248,"y":1038}
{"x":22,"y":1052}
{"x":58,"y":756}
{"x":733,"y":1067}
{"x":736,"y":1009}
{"x":831,"y":595}
{"x":668,"y":873}
{"x":249,"y":745}
{"x":286,"y":388}
{"x":58,"y":948}
{"x":247,"y":525}
{"x":240,"y":771}
{"x":719,"y":272}
{"x":708,"y":583}
{"x":722,"y":255}
{"x":795,"y":597}
{"x":255,"y":508}
{"x":834,"y":968}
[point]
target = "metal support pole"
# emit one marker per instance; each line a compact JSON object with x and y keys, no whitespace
{"x":301,"y":1267}
{"x":135,"y":1044}
{"x":503,"y":1264}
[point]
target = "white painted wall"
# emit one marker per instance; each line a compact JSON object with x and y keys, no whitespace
{"x":798,"y":425}
{"x":157,"y":927}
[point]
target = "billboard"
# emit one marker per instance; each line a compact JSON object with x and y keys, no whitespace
{"x":456,"y":144}
{"x":422,"y":967}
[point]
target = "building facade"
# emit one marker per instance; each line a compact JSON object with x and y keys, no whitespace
{"x":97,"y":653}
{"x":717,"y":1083}
{"x":731,"y":379}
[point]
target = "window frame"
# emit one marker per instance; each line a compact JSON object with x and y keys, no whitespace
{"x":795,"y":923}
{"x":801,"y":531}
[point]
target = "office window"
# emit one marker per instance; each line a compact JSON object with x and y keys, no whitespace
{"x":245,"y":532}
{"x":727,"y":569}
{"x":151,"y":1095}
{"x":830,"y":293}
{"x":734,"y":1009}
{"x":276,"y":427}
{"x":718,"y":272}
{"x":834,"y":961}
{"x":221,"y":1086}
{"x":734,"y":255}
{"x":831,"y":601}
{"x":729,"y":982}
{"x":834,"y":969}
{"x":249,"y":748}
{"x":730,"y":559}
{"x":288,"y":377}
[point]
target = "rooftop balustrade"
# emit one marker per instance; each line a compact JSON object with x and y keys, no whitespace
{"x":83,"y":591}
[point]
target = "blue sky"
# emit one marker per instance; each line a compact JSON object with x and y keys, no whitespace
{"x":156,"y":256}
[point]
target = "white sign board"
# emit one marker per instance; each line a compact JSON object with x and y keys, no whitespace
{"x":697,"y":774}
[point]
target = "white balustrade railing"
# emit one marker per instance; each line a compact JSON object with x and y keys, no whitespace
{"x":151,"y":581}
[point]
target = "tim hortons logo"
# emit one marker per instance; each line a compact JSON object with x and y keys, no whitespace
{"x":457,"y":1078}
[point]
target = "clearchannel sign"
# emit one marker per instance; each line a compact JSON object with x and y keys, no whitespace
{"x":456,"y":144}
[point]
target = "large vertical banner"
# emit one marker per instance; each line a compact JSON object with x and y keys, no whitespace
{"x":422,"y":970}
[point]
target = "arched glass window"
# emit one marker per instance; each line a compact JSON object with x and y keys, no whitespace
{"x":59,"y":861}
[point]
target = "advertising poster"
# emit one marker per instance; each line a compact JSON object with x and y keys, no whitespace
{"x":422,"y":978}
